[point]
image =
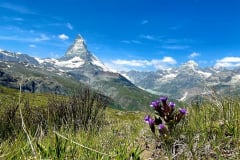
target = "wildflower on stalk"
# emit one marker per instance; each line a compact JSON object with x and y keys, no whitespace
{"x":164,"y":102}
{"x":171,"y":104}
{"x":163,"y":99}
{"x":155,"y":104}
{"x":161,"y":126}
{"x":171,"y":108}
{"x":150,"y":121}
{"x":183,"y":111}
{"x":162,"y":129}
{"x":181,"y":114}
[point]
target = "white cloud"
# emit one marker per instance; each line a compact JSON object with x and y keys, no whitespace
{"x":194,"y":54}
{"x":228,"y":62}
{"x":144,"y":21}
{"x":63,"y":37}
{"x":142,"y":64}
{"x":69,"y":26}
{"x":32,"y":46}
{"x":42,"y":37}
{"x":169,"y":60}
{"x":134,"y":63}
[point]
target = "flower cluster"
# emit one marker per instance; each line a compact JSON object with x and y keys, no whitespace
{"x":166,"y":115}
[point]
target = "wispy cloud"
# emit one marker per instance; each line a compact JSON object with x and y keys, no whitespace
{"x":126,"y":41}
{"x":18,"y":19}
{"x":136,"y":42}
{"x":42,"y":37}
{"x":11,"y":38}
{"x":32,"y":46}
{"x":175,"y":47}
{"x":63,"y":37}
{"x":16,"y":8}
{"x":193,"y":55}
{"x":144,"y":21}
{"x":131,"y":42}
{"x":228,"y":62}
{"x":148,"y":37}
{"x":142,"y":64}
{"x":69,"y":26}
{"x":173,"y":28}
{"x":22,"y":35}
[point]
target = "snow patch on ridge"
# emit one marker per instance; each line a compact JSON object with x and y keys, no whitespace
{"x":236,"y":79}
{"x":205,"y":74}
{"x":40,"y":60}
{"x":170,"y":76}
{"x":184,"y":97}
{"x":75,"y":62}
{"x":127,"y":77}
{"x":97,"y":62}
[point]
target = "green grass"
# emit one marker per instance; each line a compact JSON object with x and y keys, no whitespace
{"x":209,"y":131}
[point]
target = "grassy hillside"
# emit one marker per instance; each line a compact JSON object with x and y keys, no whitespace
{"x":210,"y":130}
{"x":129,"y":97}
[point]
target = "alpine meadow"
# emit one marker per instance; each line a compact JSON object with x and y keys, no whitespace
{"x":119,"y":80}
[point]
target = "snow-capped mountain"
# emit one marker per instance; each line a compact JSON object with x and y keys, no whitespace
{"x":16,"y":57}
{"x":186,"y":81}
{"x":77,"y":56}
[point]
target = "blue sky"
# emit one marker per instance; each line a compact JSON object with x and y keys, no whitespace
{"x":126,"y":34}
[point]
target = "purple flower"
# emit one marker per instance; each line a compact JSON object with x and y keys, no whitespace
{"x":164,"y":103}
{"x":149,"y":120}
{"x":155,"y":103}
{"x":161,"y":126}
{"x":146,"y":118}
{"x":183,"y":111}
{"x":171,"y":104}
{"x":163,"y":99}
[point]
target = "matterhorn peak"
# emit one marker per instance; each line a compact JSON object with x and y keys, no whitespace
{"x":78,"y":48}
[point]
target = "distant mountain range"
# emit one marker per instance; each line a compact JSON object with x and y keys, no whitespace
{"x":130,"y":90}
{"x":78,"y":66}
{"x":187,"y":81}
